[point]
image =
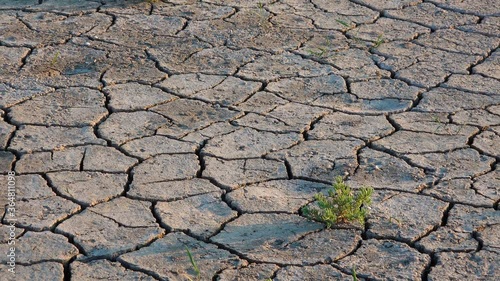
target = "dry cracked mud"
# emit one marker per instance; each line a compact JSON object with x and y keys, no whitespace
{"x":139,"y":130}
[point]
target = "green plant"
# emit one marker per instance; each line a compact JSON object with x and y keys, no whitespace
{"x":323,"y":51}
{"x":350,"y":26}
{"x":396,"y":220}
{"x":262,"y":16}
{"x":319,"y":54}
{"x":344,"y":23}
{"x":379,"y":41}
{"x":193,"y":264}
{"x":55,"y":59}
{"x":341,"y":205}
{"x":354,"y":277}
{"x":447,"y":128}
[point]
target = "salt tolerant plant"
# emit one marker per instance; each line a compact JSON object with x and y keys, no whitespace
{"x":340,"y":205}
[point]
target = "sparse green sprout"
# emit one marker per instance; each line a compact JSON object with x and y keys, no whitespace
{"x":328,"y":42}
{"x":341,"y":205}
{"x":350,"y":25}
{"x":262,"y":15}
{"x":320,"y":53}
{"x":396,"y":220}
{"x":343,"y":23}
{"x":437,"y":120}
{"x":379,"y":41}
{"x":323,"y":51}
{"x":193,"y":264}
{"x":55,"y":59}
{"x":445,"y":126}
{"x":354,"y":277}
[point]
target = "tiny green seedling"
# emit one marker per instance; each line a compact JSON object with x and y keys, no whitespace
{"x":396,"y":220}
{"x":379,"y":41}
{"x":319,"y":54}
{"x":325,"y":50}
{"x":261,"y":14}
{"x":341,"y":205}
{"x":193,"y":264}
{"x":354,"y":277}
{"x":459,"y":129}
{"x":436,"y":119}
{"x":349,"y":26}
{"x":55,"y":59}
{"x":444,"y":125}
{"x":343,"y":23}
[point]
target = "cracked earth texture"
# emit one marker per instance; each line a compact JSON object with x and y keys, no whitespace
{"x":139,"y":128}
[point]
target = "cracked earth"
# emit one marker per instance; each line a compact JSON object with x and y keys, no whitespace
{"x":139,"y":128}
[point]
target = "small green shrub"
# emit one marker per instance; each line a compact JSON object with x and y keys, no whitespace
{"x":341,"y":205}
